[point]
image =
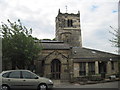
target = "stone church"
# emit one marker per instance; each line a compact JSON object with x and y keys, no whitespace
{"x":65,"y":58}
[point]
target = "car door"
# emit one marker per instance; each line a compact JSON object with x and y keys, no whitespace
{"x":14,"y":79}
{"x":29,"y":80}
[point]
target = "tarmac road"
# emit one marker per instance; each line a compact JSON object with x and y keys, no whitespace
{"x":99,"y":86}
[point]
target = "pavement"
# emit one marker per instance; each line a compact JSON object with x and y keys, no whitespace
{"x":96,"y":84}
{"x":102,"y":81}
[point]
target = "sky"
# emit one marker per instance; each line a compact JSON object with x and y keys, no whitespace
{"x":96,"y":17}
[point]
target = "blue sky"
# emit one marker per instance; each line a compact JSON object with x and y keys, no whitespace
{"x":95,"y":17}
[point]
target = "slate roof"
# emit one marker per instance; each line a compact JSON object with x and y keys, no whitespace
{"x":85,"y":54}
{"x":54,"y":45}
{"x":79,"y":54}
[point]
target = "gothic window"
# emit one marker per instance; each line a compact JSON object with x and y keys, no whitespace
{"x":112,"y":65}
{"x":67,"y":38}
{"x":70,"y":23}
{"x":82,"y":68}
{"x":91,"y":66}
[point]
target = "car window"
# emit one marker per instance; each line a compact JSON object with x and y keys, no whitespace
{"x":28,"y":75}
{"x":5,"y":75}
{"x":14,"y":74}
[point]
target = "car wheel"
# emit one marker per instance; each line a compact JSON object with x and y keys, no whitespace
{"x":42,"y":87}
{"x":5,"y":87}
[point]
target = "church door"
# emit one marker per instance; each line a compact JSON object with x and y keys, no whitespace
{"x":55,"y":69}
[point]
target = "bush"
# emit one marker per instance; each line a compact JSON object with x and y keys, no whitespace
{"x":96,"y":78}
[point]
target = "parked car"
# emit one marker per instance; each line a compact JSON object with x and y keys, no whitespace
{"x":23,"y":79}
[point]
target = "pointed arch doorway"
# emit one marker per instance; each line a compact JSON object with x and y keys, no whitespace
{"x":56,"y":69}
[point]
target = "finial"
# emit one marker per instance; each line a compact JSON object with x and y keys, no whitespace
{"x":79,"y":13}
{"x":59,"y":11}
{"x":66,"y":8}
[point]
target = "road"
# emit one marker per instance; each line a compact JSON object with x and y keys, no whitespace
{"x":99,"y":85}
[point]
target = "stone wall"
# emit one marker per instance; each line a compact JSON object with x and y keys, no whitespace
{"x":76,"y":69}
{"x":62,"y":56}
{"x":69,"y":34}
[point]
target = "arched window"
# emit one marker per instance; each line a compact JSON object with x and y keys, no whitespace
{"x":70,"y":23}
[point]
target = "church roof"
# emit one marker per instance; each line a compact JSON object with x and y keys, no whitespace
{"x":54,"y":45}
{"x":85,"y":54}
{"x":79,"y":54}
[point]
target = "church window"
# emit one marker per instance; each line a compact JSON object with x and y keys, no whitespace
{"x":67,"y":40}
{"x":82,"y":68}
{"x":91,"y":66}
{"x":70,"y":23}
{"x":112,"y":65}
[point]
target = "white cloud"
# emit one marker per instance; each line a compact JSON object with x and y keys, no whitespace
{"x":96,"y":17}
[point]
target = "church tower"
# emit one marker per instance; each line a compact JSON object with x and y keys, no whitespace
{"x":68,"y":28}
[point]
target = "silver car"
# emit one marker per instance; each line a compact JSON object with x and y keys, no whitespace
{"x":23,"y":79}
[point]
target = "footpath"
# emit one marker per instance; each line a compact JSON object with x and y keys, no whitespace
{"x":102,"y":81}
{"x":57,"y":82}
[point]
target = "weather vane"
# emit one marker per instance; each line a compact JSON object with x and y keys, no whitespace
{"x":66,"y":8}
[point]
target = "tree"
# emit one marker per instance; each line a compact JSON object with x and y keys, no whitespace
{"x":116,"y":42}
{"x":116,"y":39}
{"x":19,"y":46}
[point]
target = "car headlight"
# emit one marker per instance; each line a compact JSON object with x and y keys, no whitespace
{"x":50,"y":81}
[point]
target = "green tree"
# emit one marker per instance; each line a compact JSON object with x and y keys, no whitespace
{"x":18,"y":45}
